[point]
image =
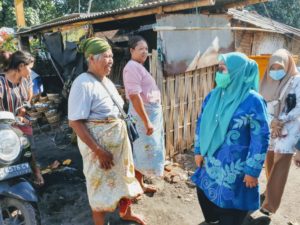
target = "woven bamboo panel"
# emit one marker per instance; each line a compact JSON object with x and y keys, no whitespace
{"x":182,"y":97}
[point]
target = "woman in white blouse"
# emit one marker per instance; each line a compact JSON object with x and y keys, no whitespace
{"x":281,"y":89}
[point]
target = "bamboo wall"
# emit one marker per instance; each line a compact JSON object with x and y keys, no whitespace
{"x":182,"y":97}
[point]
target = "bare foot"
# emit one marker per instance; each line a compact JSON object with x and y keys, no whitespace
{"x":149,"y":189}
{"x":38,"y":180}
{"x":124,"y":205}
{"x":133,"y":217}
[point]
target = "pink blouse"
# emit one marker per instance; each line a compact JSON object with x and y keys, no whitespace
{"x":137,"y":80}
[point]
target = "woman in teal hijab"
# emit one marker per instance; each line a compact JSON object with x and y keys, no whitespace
{"x":231,"y":140}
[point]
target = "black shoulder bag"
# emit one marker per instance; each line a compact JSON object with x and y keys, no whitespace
{"x":130,"y":123}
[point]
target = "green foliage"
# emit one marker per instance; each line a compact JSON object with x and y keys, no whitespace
{"x":284,"y":11}
{"x":39,"y":11}
{"x":102,"y":5}
{"x":7,"y":14}
{"x":74,"y":35}
{"x":32,"y":16}
{"x":36,"y":46}
{"x":7,"y":42}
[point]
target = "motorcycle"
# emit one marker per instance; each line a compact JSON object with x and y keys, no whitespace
{"x":18,"y":198}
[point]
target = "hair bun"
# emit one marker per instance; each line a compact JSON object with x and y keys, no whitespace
{"x":5,"y":59}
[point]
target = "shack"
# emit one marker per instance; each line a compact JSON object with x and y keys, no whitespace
{"x":184,"y":39}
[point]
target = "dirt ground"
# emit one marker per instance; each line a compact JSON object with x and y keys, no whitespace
{"x":63,"y":199}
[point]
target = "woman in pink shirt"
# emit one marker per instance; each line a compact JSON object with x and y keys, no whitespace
{"x":145,"y":106}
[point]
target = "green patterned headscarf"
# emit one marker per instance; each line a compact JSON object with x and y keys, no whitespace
{"x":93,"y":46}
{"x":223,"y":102}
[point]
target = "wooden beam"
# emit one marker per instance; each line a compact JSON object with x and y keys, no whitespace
{"x":146,"y":12}
{"x":140,"y":13}
{"x":169,"y":28}
{"x":244,"y":3}
{"x":188,"y":5}
{"x":19,"y":7}
{"x":105,"y":19}
{"x":156,"y":10}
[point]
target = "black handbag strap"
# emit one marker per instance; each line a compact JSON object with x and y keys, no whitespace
{"x":123,"y":113}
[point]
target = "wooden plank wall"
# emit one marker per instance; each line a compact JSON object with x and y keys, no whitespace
{"x":182,"y":97}
{"x":244,"y":41}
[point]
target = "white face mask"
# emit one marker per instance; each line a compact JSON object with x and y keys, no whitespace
{"x":277,"y":74}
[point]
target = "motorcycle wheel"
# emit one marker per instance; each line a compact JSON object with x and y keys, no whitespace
{"x":17,"y":212}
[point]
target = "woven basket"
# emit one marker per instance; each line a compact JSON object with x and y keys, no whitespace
{"x":52,"y":96}
{"x":53,"y":119}
{"x":43,"y":99}
{"x":50,"y":102}
{"x":42,"y":109}
{"x":34,"y":114}
{"x":50,"y":113}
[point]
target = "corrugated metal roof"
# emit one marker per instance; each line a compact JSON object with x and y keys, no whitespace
{"x":262,"y":22}
{"x":78,"y":17}
{"x":246,"y":16}
{"x":218,"y":2}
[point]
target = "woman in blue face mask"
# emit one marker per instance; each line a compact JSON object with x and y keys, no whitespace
{"x":281,"y":89}
{"x":231,"y":141}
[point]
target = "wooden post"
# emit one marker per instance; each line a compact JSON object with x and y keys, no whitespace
{"x":20,"y":13}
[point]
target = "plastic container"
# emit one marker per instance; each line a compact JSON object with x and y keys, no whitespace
{"x":263,"y":61}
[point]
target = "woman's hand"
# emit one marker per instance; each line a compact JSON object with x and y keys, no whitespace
{"x":105,"y":158}
{"x":297,"y":158}
{"x":199,"y":160}
{"x":149,"y":128}
{"x":276,"y":128}
{"x":250,"y":181}
{"x":24,"y":120}
{"x":138,"y":105}
{"x":22,"y":112}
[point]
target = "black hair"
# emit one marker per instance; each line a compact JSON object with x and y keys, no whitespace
{"x":133,"y":41}
{"x":12,"y":61}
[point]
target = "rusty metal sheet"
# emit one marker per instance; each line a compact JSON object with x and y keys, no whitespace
{"x":186,"y":50}
{"x":265,"y":43}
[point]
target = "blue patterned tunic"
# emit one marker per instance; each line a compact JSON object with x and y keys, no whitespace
{"x":243,"y":152}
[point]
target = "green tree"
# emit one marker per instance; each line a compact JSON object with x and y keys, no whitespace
{"x":33,"y":10}
{"x":73,"y":6}
{"x":39,"y":11}
{"x":284,"y":11}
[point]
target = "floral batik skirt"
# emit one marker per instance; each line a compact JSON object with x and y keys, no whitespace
{"x":105,"y":188}
{"x":149,"y":151}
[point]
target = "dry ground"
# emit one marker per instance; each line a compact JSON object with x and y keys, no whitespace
{"x":64,"y":201}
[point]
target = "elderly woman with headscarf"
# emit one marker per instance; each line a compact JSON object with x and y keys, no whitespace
{"x":231,"y":141}
{"x":102,"y":136}
{"x":281,"y":89}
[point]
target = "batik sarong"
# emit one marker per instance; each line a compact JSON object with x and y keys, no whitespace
{"x":149,"y":151}
{"x":105,"y":188}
